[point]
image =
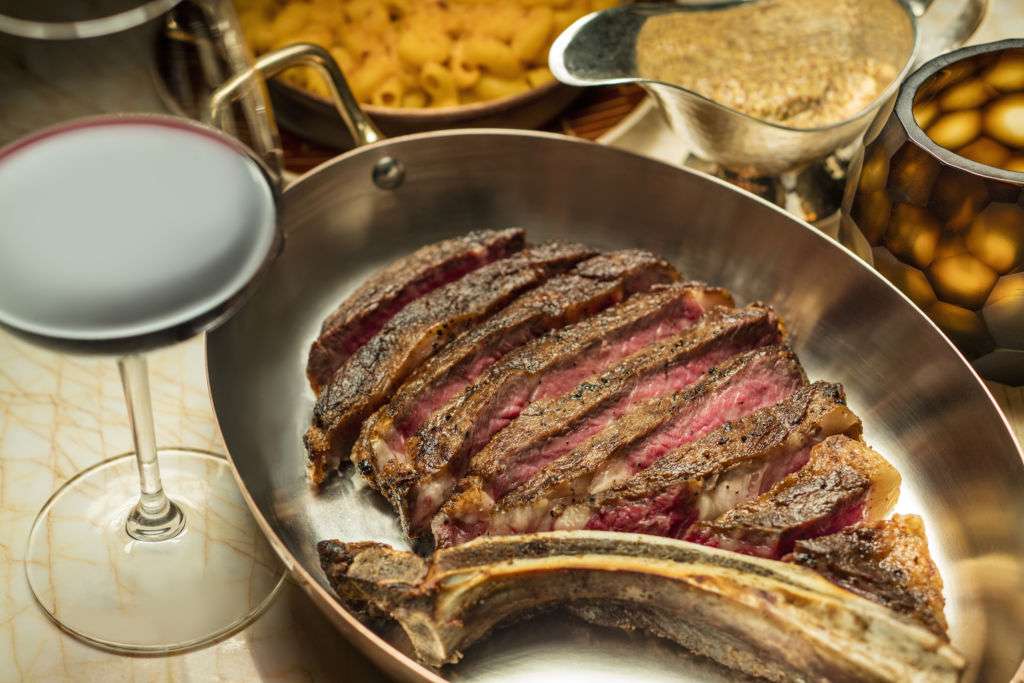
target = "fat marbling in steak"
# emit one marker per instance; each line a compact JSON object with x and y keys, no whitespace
{"x":844,"y":483}
{"x":736,"y":388}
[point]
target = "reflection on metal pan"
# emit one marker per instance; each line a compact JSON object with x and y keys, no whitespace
{"x":921,"y":403}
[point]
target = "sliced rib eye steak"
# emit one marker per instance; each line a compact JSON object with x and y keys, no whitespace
{"x":887,"y":562}
{"x":738,"y":461}
{"x":419,"y":330}
{"x":593,"y":285}
{"x":845,"y":482}
{"x":365,"y":312}
{"x":770,"y":619}
{"x":740,"y":386}
{"x":548,"y":366}
{"x":551,"y":427}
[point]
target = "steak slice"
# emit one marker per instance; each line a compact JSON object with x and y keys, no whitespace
{"x":592,"y":286}
{"x":551,"y":427}
{"x":365,"y":312}
{"x":746,"y":383}
{"x":548,"y":366}
{"x":738,"y":461}
{"x":770,"y":619}
{"x":887,"y":562}
{"x":366,"y":379}
{"x":845,"y":482}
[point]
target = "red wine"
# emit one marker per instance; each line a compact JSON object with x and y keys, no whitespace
{"x":112,"y":228}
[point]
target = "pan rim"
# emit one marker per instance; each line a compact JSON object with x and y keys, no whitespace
{"x":305,"y":578}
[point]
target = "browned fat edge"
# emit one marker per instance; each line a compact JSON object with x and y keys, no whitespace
{"x":887,"y":562}
{"x":570,"y":478}
{"x":364,"y":312}
{"x":844,"y":482}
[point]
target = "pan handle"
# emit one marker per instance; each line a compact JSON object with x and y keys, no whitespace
{"x":363,"y":130}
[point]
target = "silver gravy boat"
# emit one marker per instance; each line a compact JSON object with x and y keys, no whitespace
{"x":600,"y":49}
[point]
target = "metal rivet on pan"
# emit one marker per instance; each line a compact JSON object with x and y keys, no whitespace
{"x":388,"y":173}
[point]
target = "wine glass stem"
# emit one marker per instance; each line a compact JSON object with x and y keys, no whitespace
{"x":155,"y":517}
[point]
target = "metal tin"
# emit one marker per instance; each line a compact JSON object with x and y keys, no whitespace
{"x":947,"y":230}
{"x":740,"y":143}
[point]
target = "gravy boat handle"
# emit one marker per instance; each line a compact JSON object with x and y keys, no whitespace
{"x":600,"y":48}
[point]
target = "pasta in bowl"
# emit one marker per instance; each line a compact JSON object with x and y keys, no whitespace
{"x":420,"y":64}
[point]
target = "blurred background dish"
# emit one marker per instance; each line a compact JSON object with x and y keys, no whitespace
{"x":603,"y":115}
{"x":714,"y":69}
{"x":936,"y":201}
{"x":186,"y":69}
{"x":418,"y":66}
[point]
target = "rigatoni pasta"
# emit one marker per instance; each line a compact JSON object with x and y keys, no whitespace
{"x":419,"y":53}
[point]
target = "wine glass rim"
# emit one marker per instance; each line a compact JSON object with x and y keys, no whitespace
{"x":182,"y":327}
{"x":905,"y":102}
{"x":86,"y":28}
{"x":133,"y":118}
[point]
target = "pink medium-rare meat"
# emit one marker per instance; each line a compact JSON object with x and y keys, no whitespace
{"x":560,"y":428}
{"x":740,"y":386}
{"x":844,"y":483}
{"x":592,"y":286}
{"x":732,"y":464}
{"x":418,"y":331}
{"x":365,"y":312}
{"x":550,"y":427}
{"x":550,"y":365}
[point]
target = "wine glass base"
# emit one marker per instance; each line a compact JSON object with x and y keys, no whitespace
{"x":143,"y":597}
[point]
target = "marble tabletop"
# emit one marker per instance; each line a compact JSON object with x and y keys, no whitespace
{"x":60,"y":414}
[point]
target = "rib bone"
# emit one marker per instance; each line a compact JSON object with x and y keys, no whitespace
{"x":766,"y":618}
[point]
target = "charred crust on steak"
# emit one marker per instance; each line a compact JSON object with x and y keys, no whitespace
{"x":590,"y":287}
{"x":366,"y":310}
{"x":363,"y":382}
{"x":886,"y":561}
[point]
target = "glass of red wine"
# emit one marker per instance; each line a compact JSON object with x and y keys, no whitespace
{"x":121,"y":235}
